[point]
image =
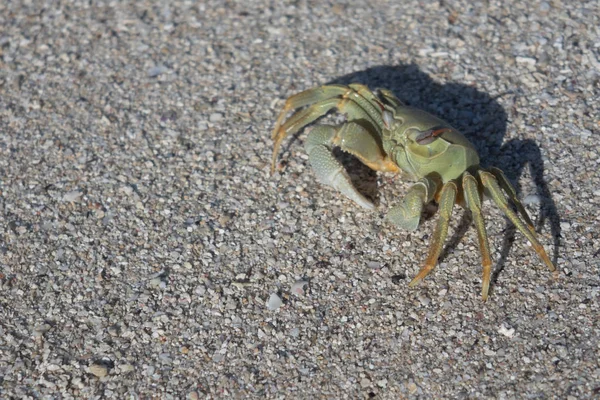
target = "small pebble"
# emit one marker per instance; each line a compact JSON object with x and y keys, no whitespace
{"x":200,"y":290}
{"x":298,"y":287}
{"x":215,"y":117}
{"x":412,"y":388}
{"x":526,"y":60}
{"x":274,"y":302}
{"x":489,"y":352}
{"x":156,"y":282}
{"x":72,"y":196}
{"x":374,"y":265}
{"x":125,"y":368}
{"x":532,"y":199}
{"x":424,"y":300}
{"x":156,"y":71}
{"x":99,"y":370}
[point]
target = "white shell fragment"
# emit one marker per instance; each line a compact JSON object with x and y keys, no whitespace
{"x":508,"y":332}
{"x":72,"y":196}
{"x":274,"y":302}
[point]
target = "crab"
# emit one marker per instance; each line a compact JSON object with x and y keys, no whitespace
{"x":388,"y":136}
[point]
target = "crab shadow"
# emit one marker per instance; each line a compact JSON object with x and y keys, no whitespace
{"x":483,"y":121}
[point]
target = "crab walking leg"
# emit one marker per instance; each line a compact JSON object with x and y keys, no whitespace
{"x":491,"y":184}
{"x":375,"y":104}
{"x":368,"y":101}
{"x":363,"y":99}
{"x":473,"y":200}
{"x":448,"y":197}
{"x":512,"y":194}
{"x":353,"y":138}
{"x":304,"y":117}
{"x":360,"y":94}
{"x":299,"y":121}
{"x":407,"y":214}
{"x":346,"y":99}
{"x":390,"y":98}
{"x":307,"y":97}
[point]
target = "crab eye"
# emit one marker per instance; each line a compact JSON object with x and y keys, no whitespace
{"x":428,"y":136}
{"x":388,"y":118}
{"x":425,"y":137}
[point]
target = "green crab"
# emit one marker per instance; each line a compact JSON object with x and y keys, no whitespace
{"x":388,"y":136}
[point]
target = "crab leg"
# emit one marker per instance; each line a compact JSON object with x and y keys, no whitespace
{"x":491,"y":184}
{"x":448,"y":197}
{"x":389,"y":97}
{"x":473,"y":200}
{"x":512,"y":194}
{"x":305,"y":98}
{"x":298,"y":121}
{"x":323,"y":99}
{"x":407,"y":214}
{"x":367,"y":100}
{"x":353,"y":138}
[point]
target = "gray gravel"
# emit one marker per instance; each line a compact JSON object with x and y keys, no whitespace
{"x":146,"y":251}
